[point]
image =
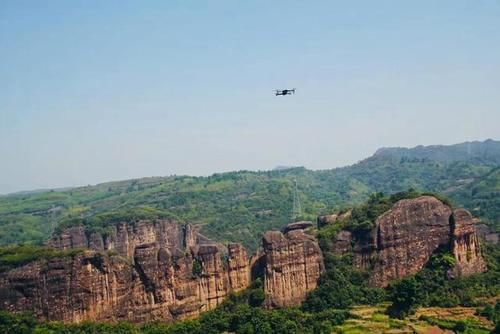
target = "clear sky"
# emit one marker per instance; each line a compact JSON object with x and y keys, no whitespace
{"x":94,"y":91}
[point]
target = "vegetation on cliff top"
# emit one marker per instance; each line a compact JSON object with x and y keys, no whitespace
{"x":241,"y":206}
{"x":362,"y":218}
{"x":100,"y":222}
{"x":16,"y":256}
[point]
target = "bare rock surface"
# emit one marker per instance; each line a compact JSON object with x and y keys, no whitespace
{"x":292,"y":264}
{"x":141,"y":271}
{"x":405,"y":237}
{"x":465,"y":244}
{"x":342,"y":243}
{"x":163,"y":270}
{"x":302,"y":225}
{"x":333,"y":218}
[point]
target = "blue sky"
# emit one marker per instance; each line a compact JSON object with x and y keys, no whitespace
{"x":93,"y":91}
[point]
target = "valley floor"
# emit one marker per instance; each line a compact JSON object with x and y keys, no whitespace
{"x":431,"y":320}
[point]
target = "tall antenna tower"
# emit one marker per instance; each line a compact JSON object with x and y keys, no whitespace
{"x":297,"y":210}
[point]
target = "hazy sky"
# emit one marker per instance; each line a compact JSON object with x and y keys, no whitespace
{"x":93,"y":91}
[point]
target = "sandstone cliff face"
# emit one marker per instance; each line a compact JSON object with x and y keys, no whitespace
{"x":465,"y":244}
{"x":292,"y":264}
{"x":149,"y":270}
{"x":238,"y":267}
{"x":88,"y":286}
{"x":153,"y":275}
{"x":405,"y":237}
{"x":124,"y":237}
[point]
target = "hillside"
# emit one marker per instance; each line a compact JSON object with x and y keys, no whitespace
{"x":485,"y":152}
{"x":146,"y":274}
{"x":240,"y":206}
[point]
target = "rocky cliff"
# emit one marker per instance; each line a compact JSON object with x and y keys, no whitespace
{"x":292,"y":264}
{"x":405,"y":237}
{"x":465,"y":244}
{"x":138,"y":271}
{"x":160,"y":269}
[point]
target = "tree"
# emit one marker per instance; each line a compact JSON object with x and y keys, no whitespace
{"x":405,"y":298}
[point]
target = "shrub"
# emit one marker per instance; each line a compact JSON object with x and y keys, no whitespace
{"x":197,"y":269}
{"x":405,"y":297}
{"x":341,"y":286}
{"x":15,"y":256}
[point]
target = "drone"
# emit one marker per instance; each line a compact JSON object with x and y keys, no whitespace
{"x":285,"y":92}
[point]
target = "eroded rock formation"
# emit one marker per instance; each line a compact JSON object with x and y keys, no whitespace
{"x":161,"y":269}
{"x":302,"y":225}
{"x":405,"y":237}
{"x":141,"y":271}
{"x":293,"y":263}
{"x":465,"y":244}
{"x":333,"y":218}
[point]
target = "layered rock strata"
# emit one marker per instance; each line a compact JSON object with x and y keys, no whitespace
{"x":292,"y":264}
{"x":163,"y":270}
{"x":405,"y":237}
{"x":142,"y":271}
{"x":465,"y":244}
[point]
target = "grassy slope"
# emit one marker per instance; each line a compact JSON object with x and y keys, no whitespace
{"x":372,"y":319}
{"x":240,"y":206}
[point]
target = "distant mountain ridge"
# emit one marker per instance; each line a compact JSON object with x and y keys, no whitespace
{"x":240,"y":206}
{"x":488,"y":151}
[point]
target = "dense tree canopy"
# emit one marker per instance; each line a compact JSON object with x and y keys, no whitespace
{"x":240,"y":206}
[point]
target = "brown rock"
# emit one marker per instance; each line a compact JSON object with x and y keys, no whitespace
{"x":238,"y":267}
{"x":154,"y":274}
{"x":292,"y":265}
{"x":326,"y":220}
{"x":73,"y":237}
{"x":87,"y":286}
{"x":151,"y":278}
{"x":302,"y":225}
{"x":342,"y":243}
{"x":333,"y":218}
{"x":405,"y":237}
{"x":465,"y":244}
{"x":96,"y":242}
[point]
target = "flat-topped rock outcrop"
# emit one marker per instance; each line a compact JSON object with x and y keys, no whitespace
{"x":138,"y":271}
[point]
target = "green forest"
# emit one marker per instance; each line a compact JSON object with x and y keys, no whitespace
{"x":241,"y":206}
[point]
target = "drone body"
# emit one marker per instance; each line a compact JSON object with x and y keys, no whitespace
{"x":285,"y":92}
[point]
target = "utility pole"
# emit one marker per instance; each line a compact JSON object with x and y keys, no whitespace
{"x":297,"y":210}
